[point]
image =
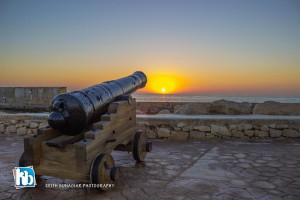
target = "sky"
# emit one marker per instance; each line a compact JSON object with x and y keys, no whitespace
{"x":247,"y":47}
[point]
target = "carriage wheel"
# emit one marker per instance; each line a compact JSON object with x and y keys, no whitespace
{"x":140,"y":146}
{"x":104,"y":171}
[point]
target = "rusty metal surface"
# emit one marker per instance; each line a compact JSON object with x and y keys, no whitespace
{"x":72,"y":112}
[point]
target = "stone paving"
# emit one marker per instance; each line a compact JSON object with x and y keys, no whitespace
{"x":216,"y":169}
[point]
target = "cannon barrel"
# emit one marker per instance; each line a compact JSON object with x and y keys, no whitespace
{"x":72,"y":112}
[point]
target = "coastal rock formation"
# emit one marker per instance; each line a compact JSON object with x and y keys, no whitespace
{"x":230,"y":107}
{"x":275,"y":108}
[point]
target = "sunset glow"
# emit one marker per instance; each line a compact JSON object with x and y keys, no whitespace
{"x":183,"y":47}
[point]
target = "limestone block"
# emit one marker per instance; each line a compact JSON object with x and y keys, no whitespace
{"x":232,"y":127}
{"x":290,"y":133}
{"x":209,"y":136}
{"x":2,"y":128}
{"x":202,"y":128}
{"x":11,"y":129}
{"x":279,"y":126}
{"x":13,"y":121}
{"x":242,"y":127}
{"x":230,"y":107}
{"x":274,"y":133}
{"x":197,"y":135}
{"x":163,"y":133}
{"x":192,"y":109}
{"x":180,"y":125}
{"x":34,"y":125}
{"x":151,"y":134}
{"x":238,"y":134}
{"x":29,"y":132}
{"x":219,"y":130}
{"x":261,"y":133}
{"x":179,"y":135}
{"x":249,"y":133}
{"x":187,"y":128}
{"x":164,"y":111}
{"x":275,"y":108}
{"x":21,"y":131}
{"x":176,"y":129}
{"x":264,"y":128}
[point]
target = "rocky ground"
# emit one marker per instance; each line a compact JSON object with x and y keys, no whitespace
{"x":211,"y":169}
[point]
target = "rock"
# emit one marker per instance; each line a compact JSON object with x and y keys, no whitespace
{"x":143,"y":123}
{"x":179,"y":135}
{"x":202,"y":128}
{"x":242,"y":127}
{"x":176,"y":129}
{"x":163,"y":133}
{"x":33,"y":125}
{"x":290,"y":133}
{"x":230,"y":107}
{"x":29,"y":132}
{"x":34,"y":131}
{"x":151,"y":134}
{"x":20,"y":125}
{"x":187,"y":128}
{"x":13,"y":121}
{"x":21,"y":131}
{"x":238,"y":134}
{"x":11,"y":129}
{"x":192,"y":109}
{"x":43,"y":124}
{"x":180,"y":125}
{"x":249,"y":133}
{"x":197,"y":135}
{"x":164,"y":111}
{"x":232,"y":127}
{"x":209,"y":136}
{"x":219,"y":130}
{"x":264,"y":128}
{"x":138,"y":112}
{"x":274,"y":133}
{"x":2,"y":128}
{"x":261,"y":133}
{"x":275,"y":108}
{"x":279,"y":126}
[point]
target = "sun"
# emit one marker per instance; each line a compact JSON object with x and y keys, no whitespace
{"x":163,"y":90}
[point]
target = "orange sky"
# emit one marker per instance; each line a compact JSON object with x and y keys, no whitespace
{"x":196,"y":47}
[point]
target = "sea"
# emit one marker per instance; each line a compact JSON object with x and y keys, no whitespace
{"x":211,"y":98}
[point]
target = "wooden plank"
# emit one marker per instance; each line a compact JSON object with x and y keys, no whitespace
{"x":63,"y":140}
{"x":32,"y":145}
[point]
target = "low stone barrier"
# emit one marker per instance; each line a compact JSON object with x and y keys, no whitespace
{"x":180,"y":127}
{"x":218,"y":107}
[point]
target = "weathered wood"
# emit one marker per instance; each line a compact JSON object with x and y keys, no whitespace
{"x":63,"y":140}
{"x":57,"y":157}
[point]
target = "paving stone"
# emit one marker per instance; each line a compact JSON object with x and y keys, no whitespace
{"x":263,"y":185}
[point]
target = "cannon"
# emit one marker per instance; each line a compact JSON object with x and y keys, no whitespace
{"x":84,"y":128}
{"x":72,"y":112}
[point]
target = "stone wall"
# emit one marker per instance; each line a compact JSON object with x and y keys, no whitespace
{"x":180,"y":127}
{"x":218,"y":107}
{"x":28,"y":98}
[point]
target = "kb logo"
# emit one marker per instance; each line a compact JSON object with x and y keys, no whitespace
{"x":24,"y":177}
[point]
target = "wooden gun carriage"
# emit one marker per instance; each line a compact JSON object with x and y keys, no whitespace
{"x":86,"y":155}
